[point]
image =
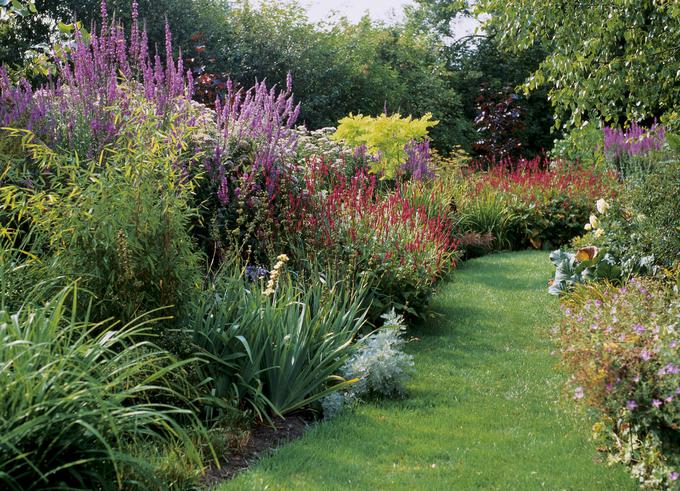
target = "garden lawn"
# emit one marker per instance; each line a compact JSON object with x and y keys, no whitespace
{"x":486,"y":407}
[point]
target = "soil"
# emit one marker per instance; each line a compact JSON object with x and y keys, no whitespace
{"x":263,"y":439}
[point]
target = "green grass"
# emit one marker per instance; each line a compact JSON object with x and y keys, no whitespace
{"x":486,"y":408}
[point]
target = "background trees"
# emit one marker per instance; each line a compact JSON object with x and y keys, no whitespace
{"x":536,"y":67}
{"x":615,"y":60}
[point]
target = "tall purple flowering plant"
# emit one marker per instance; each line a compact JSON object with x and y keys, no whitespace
{"x":633,"y":141}
{"x":417,"y":164}
{"x":260,"y":120}
{"x":84,"y":106}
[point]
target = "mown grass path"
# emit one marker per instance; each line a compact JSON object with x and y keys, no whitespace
{"x":486,"y":409}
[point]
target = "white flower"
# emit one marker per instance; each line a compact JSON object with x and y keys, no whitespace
{"x":599,"y":232}
{"x":602,"y":206}
{"x":588,"y":227}
{"x":594,"y":222}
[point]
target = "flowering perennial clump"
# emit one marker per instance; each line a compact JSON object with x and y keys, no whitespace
{"x":97,"y":82}
{"x":281,"y":261}
{"x":623,"y":349}
{"x":256,"y":123}
{"x":538,"y":179}
{"x":633,"y":141}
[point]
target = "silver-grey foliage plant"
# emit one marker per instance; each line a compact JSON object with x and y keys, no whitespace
{"x":379,"y":366}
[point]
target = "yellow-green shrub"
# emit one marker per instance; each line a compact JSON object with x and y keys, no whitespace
{"x":386,"y":136}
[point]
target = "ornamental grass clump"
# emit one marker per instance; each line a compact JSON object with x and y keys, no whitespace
{"x":622,"y":346}
{"x":77,"y":397}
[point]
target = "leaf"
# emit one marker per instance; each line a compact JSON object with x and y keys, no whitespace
{"x":65,"y":28}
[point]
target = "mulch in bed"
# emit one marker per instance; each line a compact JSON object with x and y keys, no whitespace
{"x":263,"y":439}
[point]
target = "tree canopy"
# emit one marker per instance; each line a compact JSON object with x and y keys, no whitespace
{"x":615,"y":60}
{"x":610,"y":60}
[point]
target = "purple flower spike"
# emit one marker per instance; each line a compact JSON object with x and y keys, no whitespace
{"x":418,"y":160}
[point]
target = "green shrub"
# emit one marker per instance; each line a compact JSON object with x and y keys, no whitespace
{"x":641,"y":228}
{"x":549,"y":223}
{"x":655,"y":198}
{"x":583,"y":146}
{"x":121,"y":224}
{"x":77,"y":396}
{"x":275,"y":347}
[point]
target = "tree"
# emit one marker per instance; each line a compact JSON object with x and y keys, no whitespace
{"x":185,"y":17}
{"x":614,"y":60}
{"x":486,"y":78}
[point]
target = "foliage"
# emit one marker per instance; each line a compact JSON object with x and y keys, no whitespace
{"x":623,"y":349}
{"x":94,"y":95}
{"x":530,"y":203}
{"x":121,"y":227}
{"x":24,"y":274}
{"x":275,"y":348}
{"x":77,"y":396}
{"x":586,"y":264}
{"x":9,"y":10}
{"x":599,"y":54}
{"x":486,"y":212}
{"x":641,"y":228}
{"x":113,"y":177}
{"x":498,"y":125}
{"x":484,"y":376}
{"x":583,"y":146}
{"x":631,"y":151}
{"x":338,"y":67}
{"x":388,"y":239}
{"x":476,"y":244}
{"x":41,"y":31}
{"x":484,"y":74}
{"x":379,"y":364}
{"x":659,"y":232}
{"x":390,"y":138}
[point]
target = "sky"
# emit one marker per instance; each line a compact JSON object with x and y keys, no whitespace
{"x":355,"y":9}
{"x":385,"y":10}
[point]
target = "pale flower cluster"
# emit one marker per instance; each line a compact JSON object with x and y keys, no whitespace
{"x":594,"y":223}
{"x":281,"y":261}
